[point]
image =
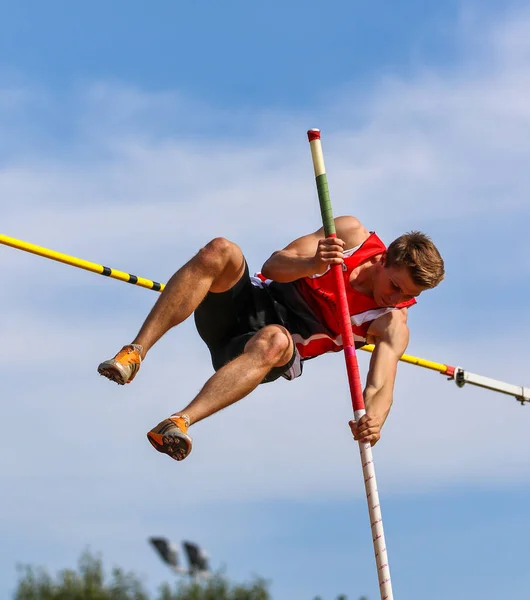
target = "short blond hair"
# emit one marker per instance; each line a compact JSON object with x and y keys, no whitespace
{"x":416,"y":251}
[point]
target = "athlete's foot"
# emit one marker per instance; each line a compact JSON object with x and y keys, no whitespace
{"x":170,"y":437}
{"x":124,"y":366}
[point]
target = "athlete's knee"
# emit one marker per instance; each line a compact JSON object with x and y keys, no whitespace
{"x":218,"y":253}
{"x":272,"y":343}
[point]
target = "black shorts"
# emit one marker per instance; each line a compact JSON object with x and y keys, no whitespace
{"x":227,"y":320}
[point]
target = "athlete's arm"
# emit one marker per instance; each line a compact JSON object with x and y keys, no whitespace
{"x":313,"y":254}
{"x":391,"y":335}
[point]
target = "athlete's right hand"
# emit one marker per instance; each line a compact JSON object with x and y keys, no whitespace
{"x":329,"y":252}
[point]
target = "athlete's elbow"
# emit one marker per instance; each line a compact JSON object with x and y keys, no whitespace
{"x":267,"y":270}
{"x":275,"y":268}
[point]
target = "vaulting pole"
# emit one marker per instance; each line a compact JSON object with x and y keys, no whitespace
{"x":352,"y":367}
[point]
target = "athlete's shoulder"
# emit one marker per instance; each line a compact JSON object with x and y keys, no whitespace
{"x":390,"y":323}
{"x":351,"y":230}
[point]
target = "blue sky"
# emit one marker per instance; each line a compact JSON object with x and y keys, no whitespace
{"x":132,"y":135}
{"x":232,"y":54}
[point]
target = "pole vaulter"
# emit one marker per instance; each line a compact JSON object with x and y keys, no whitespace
{"x":457,"y":374}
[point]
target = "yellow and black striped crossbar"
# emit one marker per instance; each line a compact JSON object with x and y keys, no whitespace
{"x":81,"y":264}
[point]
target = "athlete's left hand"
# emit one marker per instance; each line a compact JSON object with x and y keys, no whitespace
{"x":366,"y":430}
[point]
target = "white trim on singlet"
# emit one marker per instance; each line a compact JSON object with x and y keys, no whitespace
{"x":257,"y":282}
{"x":370,"y":315}
{"x":298,"y":339}
{"x":359,"y":338}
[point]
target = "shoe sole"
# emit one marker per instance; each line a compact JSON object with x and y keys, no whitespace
{"x":175,"y":445}
{"x":112,"y":372}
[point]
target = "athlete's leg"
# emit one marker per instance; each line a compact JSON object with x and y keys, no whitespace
{"x":216,"y":268}
{"x":269,"y":348}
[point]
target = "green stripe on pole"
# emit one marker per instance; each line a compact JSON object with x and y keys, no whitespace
{"x":325,"y":205}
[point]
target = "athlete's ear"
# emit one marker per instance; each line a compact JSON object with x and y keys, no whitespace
{"x":383,"y":259}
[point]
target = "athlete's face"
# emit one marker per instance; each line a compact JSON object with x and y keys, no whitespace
{"x":393,"y":285}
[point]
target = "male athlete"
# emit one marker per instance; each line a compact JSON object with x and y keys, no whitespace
{"x":261,"y":328}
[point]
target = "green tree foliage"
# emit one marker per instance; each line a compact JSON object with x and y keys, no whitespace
{"x":216,"y":587}
{"x":88,"y":582}
{"x":342,"y":597}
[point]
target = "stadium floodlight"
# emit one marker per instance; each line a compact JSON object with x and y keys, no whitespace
{"x":197,"y":558}
{"x":168,"y":553}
